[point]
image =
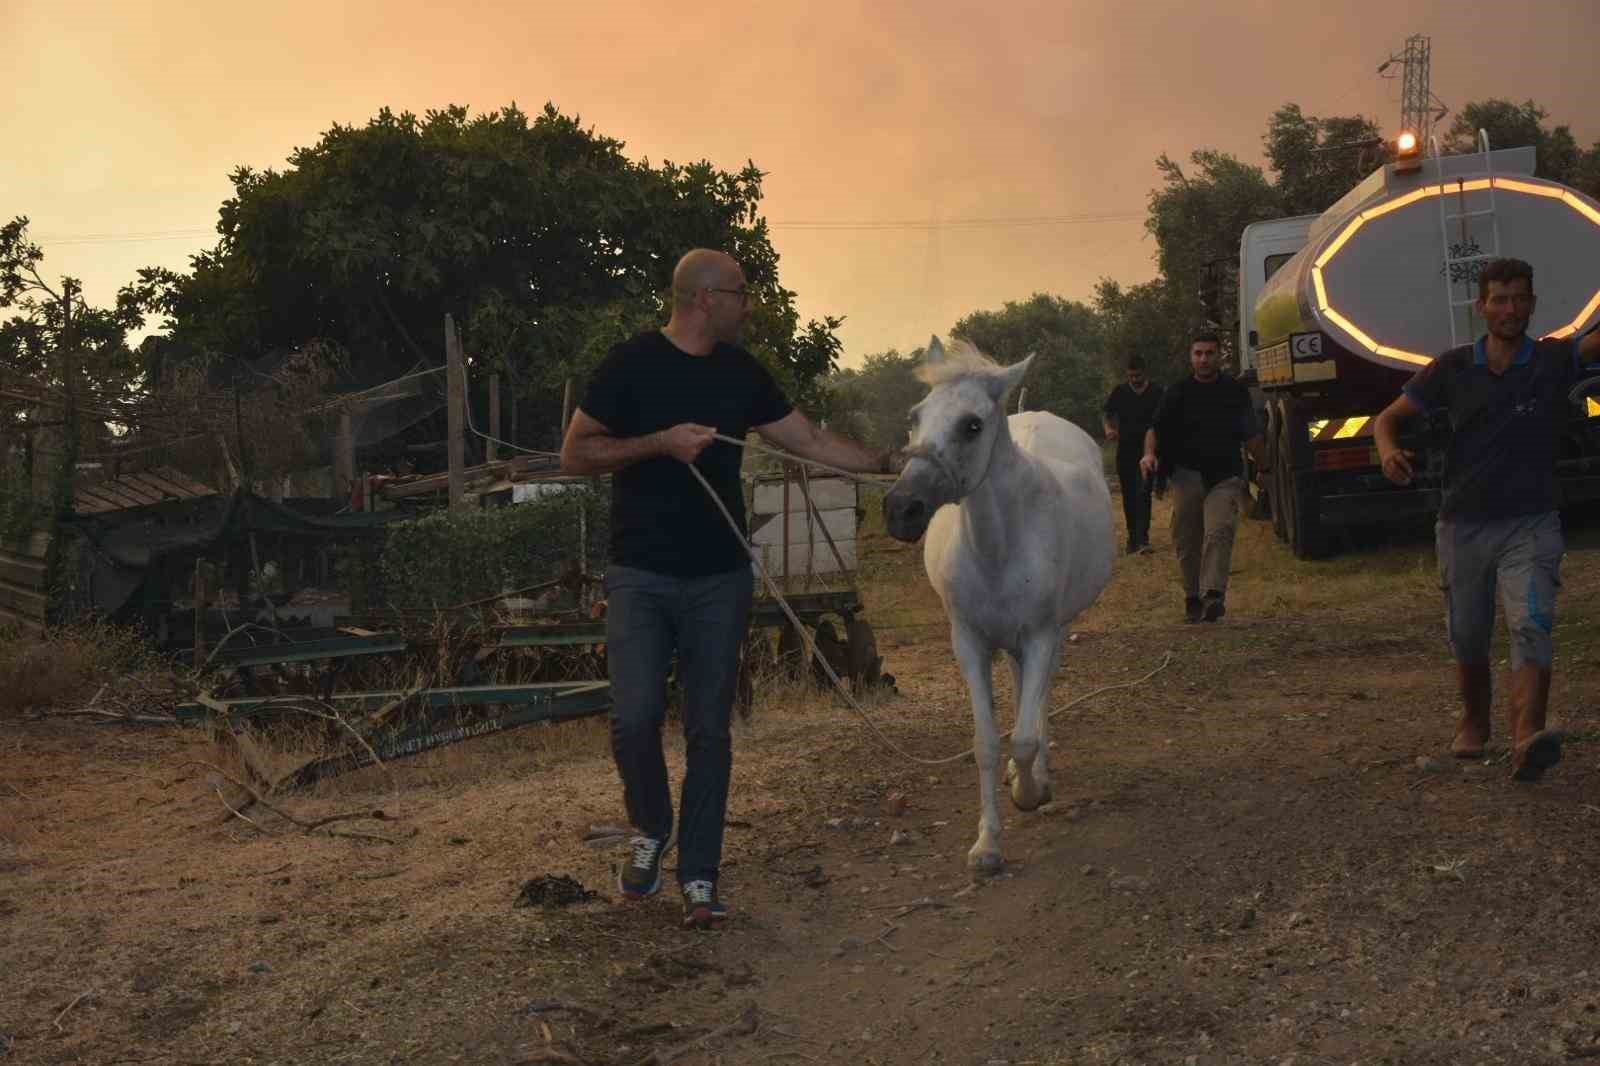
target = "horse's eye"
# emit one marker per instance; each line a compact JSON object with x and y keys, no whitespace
{"x":974,"y":426}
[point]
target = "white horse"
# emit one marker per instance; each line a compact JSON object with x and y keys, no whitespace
{"x":1018,"y":519}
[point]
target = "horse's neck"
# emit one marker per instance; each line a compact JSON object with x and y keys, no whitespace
{"x":989,"y":514}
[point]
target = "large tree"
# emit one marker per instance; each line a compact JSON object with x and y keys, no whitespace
{"x":32,"y":336}
{"x":541,"y":237}
{"x":1197,"y":219}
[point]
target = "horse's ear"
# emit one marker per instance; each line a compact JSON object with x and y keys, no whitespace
{"x":934,"y":353}
{"x":1012,"y":376}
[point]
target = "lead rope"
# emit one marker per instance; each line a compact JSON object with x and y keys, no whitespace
{"x":811,"y":645}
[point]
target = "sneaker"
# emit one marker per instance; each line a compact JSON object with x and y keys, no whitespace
{"x":1214,"y":608}
{"x":1192,"y":609}
{"x":1146,"y":549}
{"x":641,"y":874}
{"x":701,"y":908}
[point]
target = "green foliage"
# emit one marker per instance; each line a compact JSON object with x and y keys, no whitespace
{"x":20,"y":513}
{"x":1069,"y":376}
{"x":869,"y":404}
{"x":541,"y":237}
{"x":1149,"y":320}
{"x":451,"y":557}
{"x":1197,"y":220}
{"x":1518,"y":125}
{"x":1318,"y":160}
{"x":31,"y":337}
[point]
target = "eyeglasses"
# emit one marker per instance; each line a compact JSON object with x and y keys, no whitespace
{"x":743,"y":294}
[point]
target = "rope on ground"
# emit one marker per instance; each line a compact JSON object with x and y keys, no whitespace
{"x":838,"y":684}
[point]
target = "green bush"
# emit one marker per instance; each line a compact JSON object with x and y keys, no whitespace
{"x":20,"y":513}
{"x":451,"y":557}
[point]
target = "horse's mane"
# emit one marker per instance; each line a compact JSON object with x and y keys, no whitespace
{"x":961,"y":359}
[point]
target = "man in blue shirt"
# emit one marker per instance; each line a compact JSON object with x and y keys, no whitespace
{"x":1499,"y":527}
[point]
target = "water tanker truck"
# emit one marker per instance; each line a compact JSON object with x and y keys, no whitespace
{"x":1338,"y":310}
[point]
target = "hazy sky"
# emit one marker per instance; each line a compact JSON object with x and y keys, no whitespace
{"x":122,"y":120}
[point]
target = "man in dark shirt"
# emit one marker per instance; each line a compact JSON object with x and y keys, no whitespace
{"x":1127,"y":415}
{"x":1196,"y":435}
{"x":678,"y":578}
{"x":1498,"y":527}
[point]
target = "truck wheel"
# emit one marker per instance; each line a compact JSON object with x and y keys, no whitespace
{"x":1282,"y":503}
{"x":1310,"y":540}
{"x":1303,"y":519}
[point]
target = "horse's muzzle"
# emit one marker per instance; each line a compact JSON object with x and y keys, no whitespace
{"x":905,"y":514}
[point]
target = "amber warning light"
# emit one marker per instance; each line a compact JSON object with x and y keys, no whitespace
{"x":1407,"y":157}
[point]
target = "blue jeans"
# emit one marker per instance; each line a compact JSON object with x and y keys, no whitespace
{"x":1518,"y":558}
{"x":649,"y":616}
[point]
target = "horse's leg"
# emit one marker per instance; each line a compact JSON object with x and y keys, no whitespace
{"x":1016,"y":707}
{"x":973,"y":655}
{"x":1030,"y":780}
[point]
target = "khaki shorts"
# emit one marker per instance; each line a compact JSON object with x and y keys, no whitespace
{"x":1520,"y":558}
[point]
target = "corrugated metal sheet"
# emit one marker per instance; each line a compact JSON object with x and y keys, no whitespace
{"x":143,"y":489}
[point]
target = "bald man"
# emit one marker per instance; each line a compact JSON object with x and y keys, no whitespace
{"x":678,"y":579}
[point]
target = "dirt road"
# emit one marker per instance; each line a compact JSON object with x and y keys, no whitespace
{"x":1245,"y":862}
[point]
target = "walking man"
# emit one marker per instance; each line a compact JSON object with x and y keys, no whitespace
{"x":678,"y":579}
{"x":1498,"y":528}
{"x":1197,"y":433}
{"x":1127,"y":415}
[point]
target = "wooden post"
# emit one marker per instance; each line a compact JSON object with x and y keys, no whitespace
{"x":494,"y":417}
{"x":344,"y":456}
{"x":784,"y":518}
{"x":202,"y":598}
{"x":454,"y":408}
{"x":811,"y":534}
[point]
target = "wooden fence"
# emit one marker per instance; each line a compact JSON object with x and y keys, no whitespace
{"x":23,"y":599}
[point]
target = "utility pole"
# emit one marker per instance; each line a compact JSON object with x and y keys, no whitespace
{"x":1419,"y":108}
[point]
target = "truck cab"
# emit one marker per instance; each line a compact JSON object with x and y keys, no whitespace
{"x":1264,"y":247}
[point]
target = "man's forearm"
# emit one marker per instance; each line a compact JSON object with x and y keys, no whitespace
{"x":1150,"y":443}
{"x":821,"y":446}
{"x":1384,"y":434}
{"x":594,"y":454}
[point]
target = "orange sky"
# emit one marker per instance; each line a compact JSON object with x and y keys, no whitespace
{"x":122,"y":120}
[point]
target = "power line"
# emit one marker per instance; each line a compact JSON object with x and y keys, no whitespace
{"x":1014,"y":222}
{"x":959,"y":223}
{"x":124,"y":238}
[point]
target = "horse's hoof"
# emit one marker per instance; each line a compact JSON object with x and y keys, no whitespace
{"x":1024,"y":802}
{"x":985,"y":862}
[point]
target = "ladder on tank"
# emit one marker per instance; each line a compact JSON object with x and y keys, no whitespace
{"x":1461,"y":265}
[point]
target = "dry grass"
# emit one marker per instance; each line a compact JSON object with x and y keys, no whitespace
{"x":67,"y":665}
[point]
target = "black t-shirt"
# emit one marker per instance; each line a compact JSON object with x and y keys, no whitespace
{"x":661,"y":518}
{"x":1200,"y":425}
{"x":1505,"y":428}
{"x":1134,"y":413}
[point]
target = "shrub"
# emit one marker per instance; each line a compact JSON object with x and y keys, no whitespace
{"x":451,"y":557}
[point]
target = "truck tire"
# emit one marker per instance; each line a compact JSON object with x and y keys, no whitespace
{"x":1278,"y":457}
{"x":1302,"y":519}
